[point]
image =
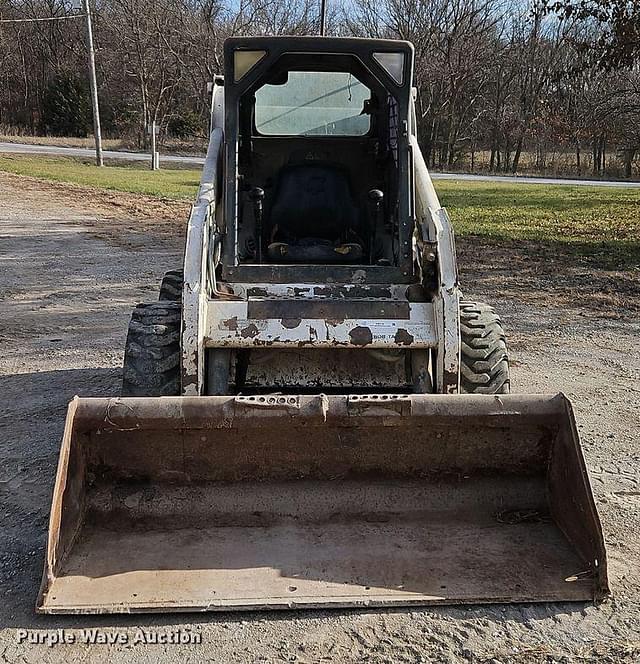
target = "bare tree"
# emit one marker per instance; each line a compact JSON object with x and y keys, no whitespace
{"x":504,"y":78}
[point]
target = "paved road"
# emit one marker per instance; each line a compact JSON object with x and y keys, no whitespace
{"x":531,"y":180}
{"x":23,"y":148}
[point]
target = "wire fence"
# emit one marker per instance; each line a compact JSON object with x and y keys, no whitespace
{"x":45,"y":18}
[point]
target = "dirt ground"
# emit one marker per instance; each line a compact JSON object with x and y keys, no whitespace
{"x":72,"y":264}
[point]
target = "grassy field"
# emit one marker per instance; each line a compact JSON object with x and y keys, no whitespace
{"x":134,"y":178}
{"x":598,"y":223}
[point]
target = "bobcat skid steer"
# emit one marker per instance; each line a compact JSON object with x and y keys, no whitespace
{"x":311,"y":416}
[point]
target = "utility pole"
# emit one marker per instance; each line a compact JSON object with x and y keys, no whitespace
{"x":94,"y":86}
{"x":323,"y":17}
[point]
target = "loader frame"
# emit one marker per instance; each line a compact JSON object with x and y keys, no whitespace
{"x":316,"y":302}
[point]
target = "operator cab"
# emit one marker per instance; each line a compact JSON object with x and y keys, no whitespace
{"x":318,"y":161}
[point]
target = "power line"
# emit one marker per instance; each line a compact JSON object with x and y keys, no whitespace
{"x":47,"y":18}
{"x":92,"y":67}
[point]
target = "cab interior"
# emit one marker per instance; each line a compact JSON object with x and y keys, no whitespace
{"x":318,"y":165}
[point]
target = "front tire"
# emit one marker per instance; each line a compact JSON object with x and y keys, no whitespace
{"x":171,"y":286}
{"x":484,"y":360}
{"x":152,"y":351}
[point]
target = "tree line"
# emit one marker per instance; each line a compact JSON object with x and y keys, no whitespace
{"x":503,"y":85}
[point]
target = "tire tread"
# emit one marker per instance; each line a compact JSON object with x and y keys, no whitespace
{"x":152,"y":351}
{"x":484,"y":359}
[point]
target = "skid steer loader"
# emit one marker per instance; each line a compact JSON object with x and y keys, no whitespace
{"x":311,"y":416}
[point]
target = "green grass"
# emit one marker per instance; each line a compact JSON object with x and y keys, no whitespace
{"x":136,"y":178}
{"x":598,"y":223}
{"x":601,"y":224}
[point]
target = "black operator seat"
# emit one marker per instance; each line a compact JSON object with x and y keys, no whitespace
{"x":313,"y":217}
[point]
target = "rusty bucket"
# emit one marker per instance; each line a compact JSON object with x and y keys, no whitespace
{"x":279,"y":502}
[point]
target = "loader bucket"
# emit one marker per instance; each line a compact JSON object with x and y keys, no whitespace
{"x":278,"y":502}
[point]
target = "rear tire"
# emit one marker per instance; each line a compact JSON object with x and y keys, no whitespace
{"x":171,"y":286}
{"x":484,"y":361}
{"x":152,"y":351}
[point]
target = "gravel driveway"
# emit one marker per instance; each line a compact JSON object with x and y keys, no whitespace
{"x":73,"y":263}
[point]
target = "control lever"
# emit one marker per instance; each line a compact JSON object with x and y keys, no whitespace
{"x":375,"y":197}
{"x":256,"y":196}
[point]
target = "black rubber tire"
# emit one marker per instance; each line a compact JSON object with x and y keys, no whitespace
{"x":152,"y":352}
{"x":484,"y":365}
{"x":171,"y":286}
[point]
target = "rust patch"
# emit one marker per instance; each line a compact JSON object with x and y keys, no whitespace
{"x":188,"y":380}
{"x":359,"y":277}
{"x":354,"y":291}
{"x":257,"y":292}
{"x":266,"y":342}
{"x":416,"y":293}
{"x":361,"y":336}
{"x":403,"y":338}
{"x":250,"y":332}
{"x":231,"y":324}
{"x":290,"y":323}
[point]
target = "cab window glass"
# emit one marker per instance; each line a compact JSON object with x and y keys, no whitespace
{"x":312,"y":103}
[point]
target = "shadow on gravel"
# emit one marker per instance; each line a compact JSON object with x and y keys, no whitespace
{"x":31,"y":425}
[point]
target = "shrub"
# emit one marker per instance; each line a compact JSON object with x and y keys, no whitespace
{"x":186,"y":125}
{"x":66,"y":107}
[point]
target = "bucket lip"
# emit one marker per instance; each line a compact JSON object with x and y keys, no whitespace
{"x":207,"y":412}
{"x":363,"y":602}
{"x":512,"y":397}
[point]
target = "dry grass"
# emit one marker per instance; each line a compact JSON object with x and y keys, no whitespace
{"x":61,"y":141}
{"x":557,"y":162}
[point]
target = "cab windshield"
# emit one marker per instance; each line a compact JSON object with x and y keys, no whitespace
{"x":312,"y":103}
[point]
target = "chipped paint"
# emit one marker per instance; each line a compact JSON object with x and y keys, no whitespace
{"x":250,"y":332}
{"x":416,"y":293}
{"x":359,"y":277}
{"x":355,"y":291}
{"x":291,"y":323}
{"x":256,"y":291}
{"x":403,"y":338}
{"x":323,"y":331}
{"x":361,"y":336}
